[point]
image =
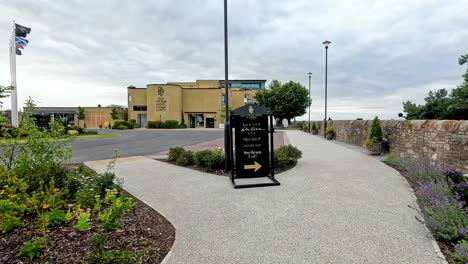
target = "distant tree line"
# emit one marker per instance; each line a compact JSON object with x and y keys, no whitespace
{"x":442,"y":105}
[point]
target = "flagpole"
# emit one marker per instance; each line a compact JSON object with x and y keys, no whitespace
{"x":14,"y":92}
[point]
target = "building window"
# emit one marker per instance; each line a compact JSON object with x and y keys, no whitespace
{"x":139,"y":108}
{"x":223,"y":99}
{"x":251,"y":86}
{"x":236,"y":85}
{"x":255,"y":85}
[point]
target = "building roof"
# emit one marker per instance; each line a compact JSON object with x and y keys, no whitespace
{"x":55,"y":110}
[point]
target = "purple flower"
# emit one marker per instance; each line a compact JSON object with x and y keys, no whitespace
{"x":433,"y":193}
{"x":462,"y":250}
{"x":464,"y":231}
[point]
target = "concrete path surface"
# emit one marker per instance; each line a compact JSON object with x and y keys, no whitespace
{"x":335,"y":206}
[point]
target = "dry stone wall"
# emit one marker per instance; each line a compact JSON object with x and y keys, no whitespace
{"x":443,"y":142}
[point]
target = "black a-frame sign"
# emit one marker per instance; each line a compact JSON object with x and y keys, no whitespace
{"x":253,"y":145}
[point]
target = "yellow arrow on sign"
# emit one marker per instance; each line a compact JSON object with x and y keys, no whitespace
{"x":254,"y":166}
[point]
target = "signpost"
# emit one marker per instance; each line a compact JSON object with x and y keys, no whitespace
{"x":253,"y":142}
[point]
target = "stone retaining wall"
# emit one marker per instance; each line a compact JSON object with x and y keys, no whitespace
{"x":440,"y":141}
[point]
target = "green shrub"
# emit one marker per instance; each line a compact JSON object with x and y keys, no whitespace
{"x":171,"y":124}
{"x":121,"y":127}
{"x":287,"y":155}
{"x":461,"y":251}
{"x":186,"y":158}
{"x":210,"y":160}
{"x":394,"y":161}
{"x":182,"y":121}
{"x":82,"y":222}
{"x":446,"y":223}
{"x":73,"y":132}
{"x":314,"y":126}
{"x":375,"y":132}
{"x":131,"y":123}
{"x":102,"y":256}
{"x":39,"y":160}
{"x":119,"y":123}
{"x":54,"y":217}
{"x":117,"y":209}
{"x":89,"y":132}
{"x":77,"y":128}
{"x":202,"y":157}
{"x":154,"y":124}
{"x":329,"y":130}
{"x":10,"y":215}
{"x":174,"y":153}
{"x":87,"y":185}
{"x":31,"y":249}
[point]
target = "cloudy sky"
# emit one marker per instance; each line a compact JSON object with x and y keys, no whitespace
{"x":382,"y":52}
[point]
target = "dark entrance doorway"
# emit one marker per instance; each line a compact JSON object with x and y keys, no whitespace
{"x":210,"y":122}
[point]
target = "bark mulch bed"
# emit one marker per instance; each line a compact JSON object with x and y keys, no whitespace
{"x":223,"y":172}
{"x":143,"y":231}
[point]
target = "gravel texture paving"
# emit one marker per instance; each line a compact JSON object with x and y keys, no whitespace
{"x":336,"y":206}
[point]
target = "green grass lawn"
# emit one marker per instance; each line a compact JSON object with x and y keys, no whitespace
{"x":10,"y":141}
{"x":103,"y":135}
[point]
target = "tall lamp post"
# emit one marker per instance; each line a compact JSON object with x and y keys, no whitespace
{"x":310,"y":102}
{"x":227,"y":125}
{"x":326,"y":43}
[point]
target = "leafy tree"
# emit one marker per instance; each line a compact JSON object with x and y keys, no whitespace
{"x":114,"y":113}
{"x":440,"y":104}
{"x":5,"y":92}
{"x":81,"y":114}
{"x":222,"y":111}
{"x":284,"y":100}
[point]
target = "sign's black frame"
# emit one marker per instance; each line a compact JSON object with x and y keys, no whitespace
{"x":232,"y":162}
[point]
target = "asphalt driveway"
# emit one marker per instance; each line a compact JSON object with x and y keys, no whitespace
{"x":139,"y":142}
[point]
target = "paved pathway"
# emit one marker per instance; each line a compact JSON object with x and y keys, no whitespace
{"x":335,"y":206}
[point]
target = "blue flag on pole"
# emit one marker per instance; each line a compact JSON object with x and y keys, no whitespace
{"x":21,"y":41}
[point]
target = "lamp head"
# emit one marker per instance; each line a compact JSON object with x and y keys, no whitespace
{"x":326,"y":43}
{"x":310,"y":74}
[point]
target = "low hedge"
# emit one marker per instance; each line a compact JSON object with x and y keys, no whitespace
{"x":207,"y":160}
{"x":89,"y":132}
{"x":121,"y":127}
{"x":166,"y":124}
{"x":213,"y":160}
{"x":124,"y":123}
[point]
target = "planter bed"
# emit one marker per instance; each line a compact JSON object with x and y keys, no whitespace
{"x":143,"y":232}
{"x":224,"y":173}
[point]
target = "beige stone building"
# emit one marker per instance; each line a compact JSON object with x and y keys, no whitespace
{"x":94,"y":116}
{"x":199,"y":103}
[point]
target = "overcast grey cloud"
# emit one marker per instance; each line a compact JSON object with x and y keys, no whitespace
{"x":382,"y":52}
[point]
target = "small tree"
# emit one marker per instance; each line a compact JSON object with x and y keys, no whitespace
{"x":284,"y":100}
{"x":222,"y":113}
{"x":81,"y":114}
{"x":375,"y":133}
{"x":114,"y":113}
{"x":182,"y":121}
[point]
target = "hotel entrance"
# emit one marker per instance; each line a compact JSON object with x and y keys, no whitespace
{"x":197,"y":120}
{"x":210,"y":122}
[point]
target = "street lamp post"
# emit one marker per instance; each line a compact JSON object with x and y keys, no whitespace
{"x":310,"y":102}
{"x":227,"y":125}
{"x":326,"y":43}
